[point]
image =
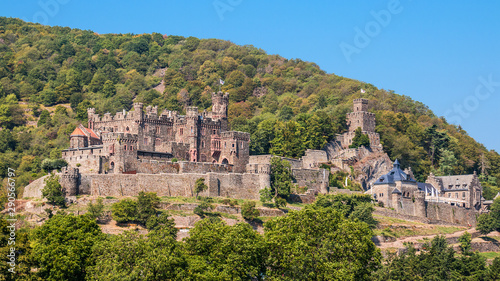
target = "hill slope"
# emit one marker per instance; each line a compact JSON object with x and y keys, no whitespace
{"x":286,"y":105}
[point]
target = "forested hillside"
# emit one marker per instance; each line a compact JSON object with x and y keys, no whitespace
{"x":49,"y":76}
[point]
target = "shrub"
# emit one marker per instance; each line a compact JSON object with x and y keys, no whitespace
{"x":249,"y":212}
{"x":147,"y":202}
{"x":53,"y":191}
{"x":279,"y":202}
{"x":225,"y":201}
{"x":95,"y":210}
{"x":53,"y":164}
{"x":124,"y":211}
{"x":233,"y":203}
{"x":174,"y":160}
{"x":202,"y":209}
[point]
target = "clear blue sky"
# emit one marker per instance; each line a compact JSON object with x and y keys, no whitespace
{"x":445,"y":54}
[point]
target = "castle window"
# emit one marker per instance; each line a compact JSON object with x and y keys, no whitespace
{"x":181,"y":131}
{"x":145,"y":141}
{"x":233,"y":144}
{"x":242,"y":145}
{"x":157,"y":129}
{"x":127,"y":129}
{"x":192,"y":131}
{"x":125,"y":147}
{"x":202,"y":144}
{"x":463,"y":194}
{"x":456,"y":195}
{"x":116,"y":129}
{"x":202,"y":131}
{"x":214,"y":132}
{"x":158,"y":142}
{"x":225,"y":144}
{"x":131,"y":147}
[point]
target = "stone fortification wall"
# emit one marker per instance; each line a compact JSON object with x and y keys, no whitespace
{"x":87,"y":160}
{"x":312,"y":158}
{"x":34,"y":189}
{"x":155,"y":167}
{"x":203,"y":167}
{"x":454,"y":214}
{"x":232,"y":185}
{"x":259,"y":159}
{"x":316,"y":179}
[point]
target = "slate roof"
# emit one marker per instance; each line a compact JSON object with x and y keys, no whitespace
{"x":396,"y":174}
{"x":427,"y":188}
{"x":451,"y":182}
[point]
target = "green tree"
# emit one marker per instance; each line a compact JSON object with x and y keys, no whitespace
{"x":124,"y":211}
{"x":63,"y":247}
{"x":53,"y":191}
{"x":81,"y":110}
{"x":248,"y":211}
{"x":436,"y":261}
{"x":288,"y":140}
{"x":200,"y":186}
{"x":447,"y":163}
{"x":44,"y":118}
{"x":95,"y":210}
{"x":131,"y":256}
{"x":147,"y":204}
{"x":108,"y":89}
{"x":220,"y":252}
{"x":352,"y":206}
{"x":360,"y":139}
{"x":319,"y":244}
{"x":281,"y":178}
{"x":489,"y":222}
{"x":465,"y":240}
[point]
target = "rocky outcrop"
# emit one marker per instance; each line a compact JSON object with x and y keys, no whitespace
{"x":371,"y":167}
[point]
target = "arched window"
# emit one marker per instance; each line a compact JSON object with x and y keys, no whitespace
{"x":125,"y":147}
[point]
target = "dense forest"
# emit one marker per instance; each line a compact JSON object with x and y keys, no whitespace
{"x":327,"y":240}
{"x":49,"y":76}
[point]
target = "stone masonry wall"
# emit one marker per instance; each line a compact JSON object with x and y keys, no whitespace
{"x":233,"y":185}
{"x":316,"y":179}
{"x":453,"y":214}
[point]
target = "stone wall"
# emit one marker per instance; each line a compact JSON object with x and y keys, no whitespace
{"x":316,"y":179}
{"x":34,"y":189}
{"x":312,"y":158}
{"x":232,"y":185}
{"x":156,"y":167}
{"x":454,"y":214}
{"x":84,"y":160}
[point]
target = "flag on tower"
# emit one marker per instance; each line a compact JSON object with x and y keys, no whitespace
{"x":363,"y":91}
{"x":221,"y":82}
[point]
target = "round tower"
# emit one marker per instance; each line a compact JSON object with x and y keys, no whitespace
{"x":69,"y":180}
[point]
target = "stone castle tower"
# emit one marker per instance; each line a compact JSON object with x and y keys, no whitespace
{"x":360,"y":118}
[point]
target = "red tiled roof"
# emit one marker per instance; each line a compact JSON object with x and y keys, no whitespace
{"x":92,"y":134}
{"x":77,"y":132}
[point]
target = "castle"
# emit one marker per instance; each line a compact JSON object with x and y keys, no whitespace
{"x":360,"y":118}
{"x":142,"y":151}
{"x":134,"y":151}
{"x":116,"y":144}
{"x":448,"y":198}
